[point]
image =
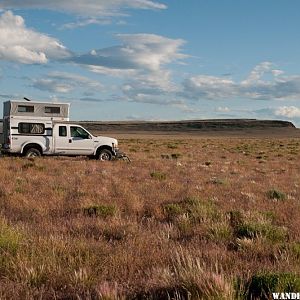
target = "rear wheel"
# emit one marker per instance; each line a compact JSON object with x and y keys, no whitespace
{"x":105,"y":155}
{"x":33,"y":152}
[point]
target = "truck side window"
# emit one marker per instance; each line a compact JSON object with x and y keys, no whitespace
{"x":62,"y":130}
{"x":79,"y":132}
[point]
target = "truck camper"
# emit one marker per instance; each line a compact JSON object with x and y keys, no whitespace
{"x":33,"y":129}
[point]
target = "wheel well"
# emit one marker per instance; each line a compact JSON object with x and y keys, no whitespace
{"x":104,"y":147}
{"x":35,"y":146}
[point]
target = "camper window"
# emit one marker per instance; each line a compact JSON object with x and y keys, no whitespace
{"x":52,"y":110}
{"x":31,"y":128}
{"x":25,"y":108}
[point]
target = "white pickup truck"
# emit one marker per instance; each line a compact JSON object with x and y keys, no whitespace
{"x":41,"y":128}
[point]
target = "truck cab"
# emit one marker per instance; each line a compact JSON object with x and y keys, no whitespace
{"x":72,"y":139}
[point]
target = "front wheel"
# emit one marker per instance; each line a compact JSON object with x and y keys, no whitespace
{"x":32,"y":152}
{"x":105,"y":155}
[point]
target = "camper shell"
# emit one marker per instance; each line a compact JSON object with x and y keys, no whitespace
{"x":36,"y":110}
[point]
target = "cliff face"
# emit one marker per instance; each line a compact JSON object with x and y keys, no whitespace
{"x":190,"y":125}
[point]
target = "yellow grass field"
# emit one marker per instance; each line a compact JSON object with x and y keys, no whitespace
{"x":188,"y":218}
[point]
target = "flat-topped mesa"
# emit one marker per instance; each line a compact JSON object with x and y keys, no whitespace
{"x":188,"y":125}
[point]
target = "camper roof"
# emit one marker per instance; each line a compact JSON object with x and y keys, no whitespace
{"x":36,"y":102}
{"x":22,"y":108}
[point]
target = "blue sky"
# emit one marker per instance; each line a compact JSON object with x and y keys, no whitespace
{"x":154,"y":60}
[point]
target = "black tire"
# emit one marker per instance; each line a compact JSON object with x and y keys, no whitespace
{"x":33,"y":152}
{"x":105,"y":155}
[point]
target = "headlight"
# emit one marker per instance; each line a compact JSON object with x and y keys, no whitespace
{"x":115,"y":146}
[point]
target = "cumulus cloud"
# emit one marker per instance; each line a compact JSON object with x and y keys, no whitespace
{"x":152,"y":83}
{"x":142,"y":58}
{"x":138,"y":51}
{"x":288,"y":111}
{"x":153,"y":87}
{"x":208,"y":87}
{"x":23,"y":45}
{"x":258,"y":72}
{"x":85,"y":8}
{"x":61,"y":82}
{"x":263,"y":83}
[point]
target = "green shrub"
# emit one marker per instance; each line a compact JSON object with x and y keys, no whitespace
{"x":236,"y":218}
{"x":247,"y":231}
{"x":193,"y":208}
{"x":172,"y":210}
{"x":28,"y":165}
{"x":220,"y":232}
{"x":270,"y":215}
{"x":261,"y":286}
{"x":103,"y":211}
{"x":191,"y":201}
{"x":172,"y":146}
{"x":10,"y":238}
{"x":32,"y":164}
{"x":253,"y":230}
{"x":295,"y":248}
{"x":175,"y":155}
{"x":59,"y":189}
{"x":216,"y":180}
{"x":186,"y":229}
{"x":276,"y":195}
{"x":200,"y":210}
{"x":115,"y":233}
{"x":158,"y":175}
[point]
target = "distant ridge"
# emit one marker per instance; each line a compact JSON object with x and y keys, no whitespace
{"x":185,"y":125}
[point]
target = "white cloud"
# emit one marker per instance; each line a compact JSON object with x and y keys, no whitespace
{"x":61,"y":82}
{"x":23,"y":45}
{"x":223,"y":109}
{"x":288,"y":111}
{"x":112,"y":72}
{"x":263,"y":83}
{"x":208,"y":87}
{"x":277,"y":72}
{"x":258,"y":72}
{"x":85,"y":22}
{"x":150,"y":51}
{"x":153,"y":87}
{"x":142,"y":58}
{"x":85,"y":8}
{"x":138,"y":52}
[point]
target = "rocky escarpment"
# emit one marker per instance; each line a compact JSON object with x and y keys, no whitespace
{"x":189,"y":125}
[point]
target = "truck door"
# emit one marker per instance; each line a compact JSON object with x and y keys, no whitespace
{"x":72,"y":140}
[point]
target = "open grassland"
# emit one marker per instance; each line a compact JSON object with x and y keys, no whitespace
{"x":187,"y":219}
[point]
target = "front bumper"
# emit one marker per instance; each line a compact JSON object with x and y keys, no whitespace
{"x":121,"y":155}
